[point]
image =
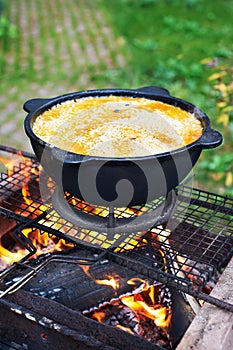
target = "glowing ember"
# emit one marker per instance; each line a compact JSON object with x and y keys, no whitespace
{"x":99,"y":316}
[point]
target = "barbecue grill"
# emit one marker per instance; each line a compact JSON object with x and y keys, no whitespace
{"x":195,"y":245}
{"x":159,"y":252}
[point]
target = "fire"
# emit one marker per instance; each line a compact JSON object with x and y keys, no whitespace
{"x":134,"y":281}
{"x":25,"y":193}
{"x":20,"y":170}
{"x":31,"y":206}
{"x":99,"y":316}
{"x":102,"y":211}
{"x":7,"y":257}
{"x":100,"y":239}
{"x":43,"y":244}
{"x":111,"y":281}
{"x":155,"y":312}
{"x":86,"y":269}
{"x":11,"y":162}
{"x":152,"y":295}
{"x":144,"y":303}
{"x":139,"y":309}
{"x":150,"y":309}
{"x":126,"y":329}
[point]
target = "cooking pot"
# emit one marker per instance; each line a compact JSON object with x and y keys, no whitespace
{"x":119,"y":182}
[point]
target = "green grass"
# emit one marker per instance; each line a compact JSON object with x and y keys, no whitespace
{"x":165,"y":42}
{"x":162,"y":42}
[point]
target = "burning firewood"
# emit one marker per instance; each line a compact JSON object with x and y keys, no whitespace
{"x":140,"y":314}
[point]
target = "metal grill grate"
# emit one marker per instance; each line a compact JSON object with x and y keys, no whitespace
{"x":187,"y":252}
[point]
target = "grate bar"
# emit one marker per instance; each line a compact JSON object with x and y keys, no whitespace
{"x":178,"y":282}
{"x":197,"y":238}
{"x":11,"y":215}
{"x":201,"y":198}
{"x":13,"y":150}
{"x":33,"y":271}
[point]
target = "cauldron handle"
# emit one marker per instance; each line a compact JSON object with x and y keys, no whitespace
{"x":32,"y":105}
{"x":154,"y":90}
{"x":210,"y":139}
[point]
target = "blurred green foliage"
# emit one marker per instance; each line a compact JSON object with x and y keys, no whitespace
{"x":8,"y":32}
{"x":220,"y":165}
{"x":184,"y":46}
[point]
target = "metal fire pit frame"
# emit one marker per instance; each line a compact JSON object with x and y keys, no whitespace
{"x":44,"y":326}
{"x":203,"y":240}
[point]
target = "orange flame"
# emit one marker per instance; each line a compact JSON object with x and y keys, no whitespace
{"x":126,"y":329}
{"x":43,"y":244}
{"x":98,"y":316}
{"x":7,"y":257}
{"x":157,"y":313}
{"x":86,"y":269}
{"x":152,"y":295}
{"x":19,"y":171}
{"x":111,"y":281}
{"x":135,"y":280}
{"x":20,"y":176}
{"x":11,"y":162}
{"x":143,"y":304}
{"x":25,"y":193}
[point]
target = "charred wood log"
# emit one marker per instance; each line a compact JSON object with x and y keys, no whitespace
{"x":40,"y":323}
{"x":120,"y":316}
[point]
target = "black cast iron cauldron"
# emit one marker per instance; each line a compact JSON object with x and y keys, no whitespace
{"x":119,"y":182}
